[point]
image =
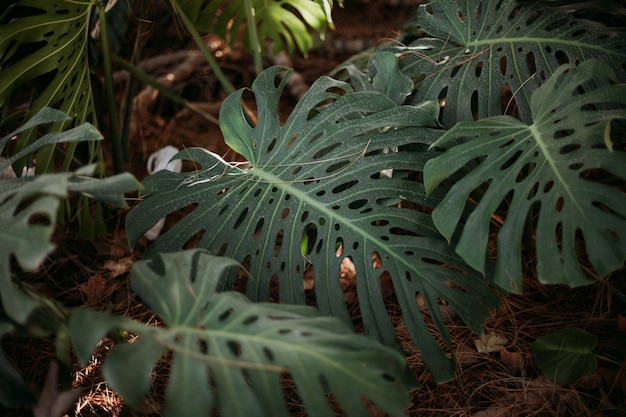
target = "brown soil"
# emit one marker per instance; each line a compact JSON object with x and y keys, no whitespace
{"x":504,"y":382}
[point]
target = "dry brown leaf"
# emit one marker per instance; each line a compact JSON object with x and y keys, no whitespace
{"x":514,"y":361}
{"x":118,"y":267}
{"x":93,"y":288}
{"x":491,"y":342}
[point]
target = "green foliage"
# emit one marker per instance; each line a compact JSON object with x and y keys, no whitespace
{"x":318,"y":177}
{"x":480,"y":51}
{"x":248,"y":349}
{"x":28,"y":212}
{"x":285,"y":23}
{"x":566,"y":355}
{"x":46,"y":43}
{"x":551,"y":170}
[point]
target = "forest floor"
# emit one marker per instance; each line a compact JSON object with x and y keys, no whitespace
{"x":499,"y":379}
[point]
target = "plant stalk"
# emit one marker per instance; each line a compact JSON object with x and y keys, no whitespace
{"x":253,"y":36}
{"x":114,"y":126}
{"x":226,"y":85}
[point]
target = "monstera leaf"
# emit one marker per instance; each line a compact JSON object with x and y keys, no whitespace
{"x":312,"y":193}
{"x":45,"y":42}
{"x":486,"y":57}
{"x":284,"y":22}
{"x":566,"y":355}
{"x":248,"y":349}
{"x":556,"y":168}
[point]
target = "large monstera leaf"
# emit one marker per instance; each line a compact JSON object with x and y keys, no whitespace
{"x":285,"y":23}
{"x":313,"y":193}
{"x":233,"y":355}
{"x":46,"y":42}
{"x":484,"y":58}
{"x":555,"y":169}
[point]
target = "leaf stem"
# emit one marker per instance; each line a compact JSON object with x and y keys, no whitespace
{"x":253,"y":36}
{"x":226,"y":85}
{"x":116,"y":142}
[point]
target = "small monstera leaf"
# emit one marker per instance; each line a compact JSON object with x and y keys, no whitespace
{"x":248,"y":349}
{"x":384,"y":75}
{"x":285,"y":23}
{"x":46,"y":42}
{"x":312,"y":193}
{"x":482,"y":53}
{"x":28,"y":209}
{"x":552,"y":169}
{"x":566,"y":355}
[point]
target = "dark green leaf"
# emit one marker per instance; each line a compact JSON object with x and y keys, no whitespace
{"x":46,"y":43}
{"x":485,"y":58}
{"x":543,"y":169}
{"x":313,"y":187}
{"x":233,"y":354}
{"x":566,"y":355}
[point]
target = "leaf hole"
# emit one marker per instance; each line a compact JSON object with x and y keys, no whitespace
{"x":234,"y":347}
{"x":408,"y":277}
{"x":222,"y":250}
{"x":271,"y":146}
{"x":576,"y":166}
{"x":513,"y":13}
{"x":455,"y":71}
{"x":474,"y":105}
{"x":548,"y":187}
{"x":511,"y":161}
{"x":338,"y":166}
{"x":202,"y":346}
{"x":460,"y":16}
{"x":345,"y":186}
{"x":561,"y":57}
{"x":569,"y":148}
{"x":249,"y":320}
{"x":560,"y":202}
{"x":525,"y":172}
{"x":268,"y":354}
{"x":285,"y":213}
{"x":241,"y":218}
{"x":309,"y":236}
{"x":284,"y":331}
{"x":325,"y":151}
{"x":292,"y":140}
{"x":530,"y":63}
{"x":225,"y":314}
{"x":479,"y":69}
{"x":533,"y":191}
{"x":379,"y":223}
{"x":278,"y":242}
{"x":563,"y":133}
{"x":377,"y":262}
{"x":355,"y":205}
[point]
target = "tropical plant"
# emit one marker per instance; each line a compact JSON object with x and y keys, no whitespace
{"x":566,"y":355}
{"x":316,"y":189}
{"x":46,"y":43}
{"x":311,"y":194}
{"x":286,"y":24}
{"x":249,"y":350}
{"x":551,"y":175}
{"x":28,"y":211}
{"x":485,"y":58}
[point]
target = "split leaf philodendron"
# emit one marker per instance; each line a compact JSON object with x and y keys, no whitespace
{"x":318,"y":175}
{"x":544,"y":173}
{"x":485,"y":58}
{"x":223,"y":347}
